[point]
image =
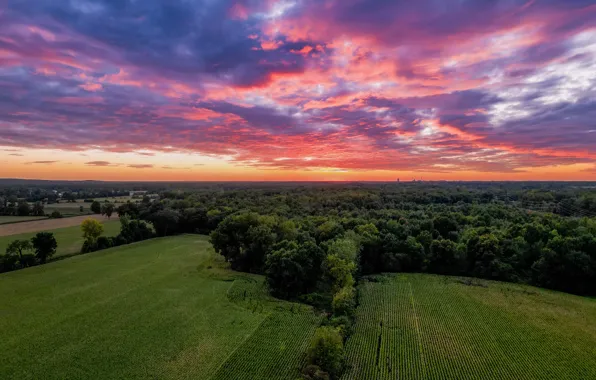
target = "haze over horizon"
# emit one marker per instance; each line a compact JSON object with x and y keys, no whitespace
{"x":299,"y":90}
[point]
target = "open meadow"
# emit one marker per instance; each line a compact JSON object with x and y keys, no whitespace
{"x":163,"y":308}
{"x":69,"y":239}
{"x":415,"y":326}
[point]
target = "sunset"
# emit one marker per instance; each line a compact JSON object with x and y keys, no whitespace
{"x":298,"y":90}
{"x":297,"y":189}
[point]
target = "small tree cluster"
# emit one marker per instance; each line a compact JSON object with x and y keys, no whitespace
{"x":25,"y":253}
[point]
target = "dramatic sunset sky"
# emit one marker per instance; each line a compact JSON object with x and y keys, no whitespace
{"x":298,"y":90}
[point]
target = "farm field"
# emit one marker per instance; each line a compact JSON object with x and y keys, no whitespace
{"x":73,"y":208}
{"x":68,"y":209}
{"x":47,"y":224}
{"x":415,"y":326}
{"x":163,"y":308}
{"x":18,"y":219}
{"x":70,"y":239}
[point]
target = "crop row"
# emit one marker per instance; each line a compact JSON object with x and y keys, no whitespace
{"x":274,"y":351}
{"x":422,"y":327}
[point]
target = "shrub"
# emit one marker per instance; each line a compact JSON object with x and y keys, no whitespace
{"x":56,"y":214}
{"x":104,"y":242}
{"x":314,"y":372}
{"x":327,"y":350}
{"x":343,"y":324}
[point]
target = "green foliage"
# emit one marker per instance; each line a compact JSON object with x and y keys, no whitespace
{"x":56,"y":214}
{"x":294,"y":268}
{"x":23,"y":208}
{"x":340,"y":272}
{"x":20,"y":248}
{"x":326,"y":350}
{"x":92,"y":230}
{"x":244,"y":240}
{"x":96,"y":207}
{"x":165,"y":221}
{"x":344,"y":248}
{"x":314,"y":372}
{"x":45,"y":246}
{"x":444,"y":257}
{"x":344,"y":301}
{"x":107,"y":209}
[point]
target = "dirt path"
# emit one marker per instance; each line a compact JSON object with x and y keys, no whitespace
{"x":46,"y":224}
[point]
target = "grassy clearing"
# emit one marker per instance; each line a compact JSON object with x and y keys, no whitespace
{"x":17,"y":219}
{"x":163,"y":308}
{"x":70,"y":239}
{"x":431,"y":327}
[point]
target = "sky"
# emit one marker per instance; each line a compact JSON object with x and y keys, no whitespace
{"x":208,"y":90}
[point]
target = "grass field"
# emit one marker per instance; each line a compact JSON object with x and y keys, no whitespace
{"x":70,"y":239}
{"x":163,"y":308}
{"x":68,"y":209}
{"x":17,"y":219}
{"x":431,"y":327}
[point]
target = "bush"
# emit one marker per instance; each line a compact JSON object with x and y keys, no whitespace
{"x":314,"y":372}
{"x":327,"y":350}
{"x":89,"y":246}
{"x":8,"y":263}
{"x":343,"y":324}
{"x":56,"y":214}
{"x":28,"y":260}
{"x":104,"y":242}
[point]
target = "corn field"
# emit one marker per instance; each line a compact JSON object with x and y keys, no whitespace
{"x":432,"y":327}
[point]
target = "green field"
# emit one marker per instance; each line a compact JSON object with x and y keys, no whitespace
{"x":73,"y":208}
{"x":17,"y":219}
{"x":163,"y":308}
{"x":70,"y":239}
{"x":68,"y":209}
{"x":431,"y":327}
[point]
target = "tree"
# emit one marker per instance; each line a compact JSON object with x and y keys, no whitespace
{"x":20,"y":248}
{"x":445,"y":224}
{"x":244,"y":240}
{"x":81,"y":209}
{"x":294,"y":268}
{"x":443,"y":257}
{"x":23,"y":209}
{"x":107,"y":209}
{"x":37,"y":209}
{"x":129,"y":209}
{"x":326,"y":350}
{"x":92,"y":230}
{"x":165,"y":221}
{"x":45,"y":245}
{"x":96,"y":207}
